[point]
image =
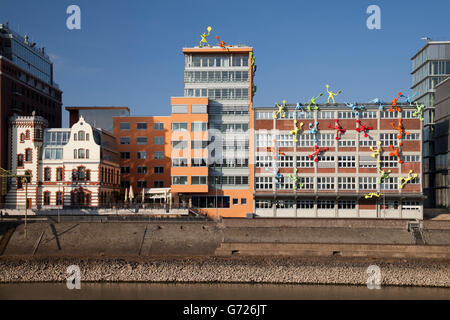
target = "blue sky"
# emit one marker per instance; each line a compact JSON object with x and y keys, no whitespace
{"x":128,"y":53}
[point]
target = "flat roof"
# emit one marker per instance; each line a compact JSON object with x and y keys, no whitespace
{"x":69,"y":108}
{"x":429,"y":42}
{"x":217,"y":49}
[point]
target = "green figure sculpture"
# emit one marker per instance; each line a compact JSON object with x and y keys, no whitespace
{"x":312,"y":101}
{"x":295,"y":179}
{"x":384,"y":175}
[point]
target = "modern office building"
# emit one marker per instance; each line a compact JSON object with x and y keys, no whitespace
{"x":26,"y":85}
{"x":442,"y":149}
{"x":69,"y":167}
{"x":98,"y":117}
{"x":430,"y":66}
{"x":337,"y":174}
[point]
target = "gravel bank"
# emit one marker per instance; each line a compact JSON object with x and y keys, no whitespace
{"x":228,"y":269}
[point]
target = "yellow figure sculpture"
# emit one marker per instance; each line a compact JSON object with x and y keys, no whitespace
{"x":280,"y":110}
{"x":402,"y":181}
{"x":331,"y":94}
{"x":377,"y":153}
{"x":204,"y":35}
{"x":373,"y":194}
{"x":296,"y":130}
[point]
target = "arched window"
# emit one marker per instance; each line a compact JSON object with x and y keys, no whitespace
{"x":46,"y":198}
{"x":22,"y":137}
{"x":28,"y":155}
{"x":75,"y":154}
{"x":88,"y":175}
{"x":80,"y":153}
{"x":20,"y":160}
{"x":27,"y":134}
{"x":81,"y":135}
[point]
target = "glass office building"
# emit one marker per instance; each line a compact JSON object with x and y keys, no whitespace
{"x":430,"y":66}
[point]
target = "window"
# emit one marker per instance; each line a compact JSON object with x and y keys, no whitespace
{"x":88,"y":175}
{"x":81,"y":154}
{"x":124,"y":126}
{"x":179,"y":126}
{"x":141,"y":170}
{"x":59,"y":198}
{"x":179,"y":144}
{"x":367,"y":183}
{"x":141,"y":140}
{"x":389,"y":205}
{"x":346,"y":115}
{"x":308,"y":182}
{"x":368,"y":115}
{"x":59,"y":174}
{"x":346,"y":162}
{"x":235,"y":201}
{"x":411,"y":205}
{"x":179,"y":162}
{"x":199,"y":180}
{"x":125,"y":170}
{"x":158,"y":126}
{"x":47,"y":174}
{"x":81,"y":174}
{"x":158,"y":170}
{"x":198,"y":162}
{"x":20,"y":160}
{"x":158,"y":140}
{"x":389,"y":161}
{"x":389,"y":184}
{"x":263,"y":183}
{"x":346,"y":183}
{"x":325,"y":204}
{"x":87,"y":153}
{"x":346,"y":204}
{"x":158,"y":155}
{"x":142,"y":155}
{"x":325,"y":115}
{"x":304,"y":162}
{"x":326,"y":140}
{"x":388,"y":139}
{"x":305,"y":204}
{"x":158,"y":184}
{"x":243,"y":200}
{"x":81,"y":135}
{"x":411,"y":158}
{"x":199,"y":144}
{"x":284,"y":204}
{"x":142,"y":184}
{"x":179,"y":180}
{"x":124,"y":140}
{"x":367,"y":143}
{"x":325,"y":162}
{"x":263,"y":204}
{"x":46,"y":198}
{"x":389,"y":115}
{"x":124,"y":184}
{"x":285,"y":161}
{"x":210,"y":201}
{"x":264,"y":161}
{"x":28,"y":155}
{"x":199,"y":126}
{"x":123,"y":155}
{"x":141,"y":126}
{"x":285,"y":183}
{"x":347,"y":142}
{"x":285,"y":140}
{"x":75,"y":153}
{"x":305,"y":140}
{"x":412,"y":136}
{"x":325,"y":183}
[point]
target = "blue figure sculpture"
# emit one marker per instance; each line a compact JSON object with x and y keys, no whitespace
{"x":299,"y":106}
{"x":355,"y":108}
{"x":409,"y":99}
{"x":313,"y":130}
{"x":379,"y":102}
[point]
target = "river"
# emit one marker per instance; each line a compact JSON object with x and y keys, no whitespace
{"x":203,"y":291}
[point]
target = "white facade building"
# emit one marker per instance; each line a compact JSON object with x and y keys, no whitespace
{"x":76,"y":167}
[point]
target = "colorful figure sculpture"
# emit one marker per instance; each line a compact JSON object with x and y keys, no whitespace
{"x":299,"y":106}
{"x":296,"y":130}
{"x":277,"y":176}
{"x":373,"y":194}
{"x":317,"y":152}
{"x":313,"y":130}
{"x":312,"y":101}
{"x":379,"y":102}
{"x":280,"y":110}
{"x":204,"y":35}
{"x":254,"y":88}
{"x":383,"y":176}
{"x":252,"y":58}
{"x":396,"y":152}
{"x":377,"y":154}
{"x":331,"y":94}
{"x":394,"y":104}
{"x":355,"y":108}
{"x":295,"y":180}
{"x":363,"y":128}
{"x":222,"y":43}
{"x":402,"y":181}
{"x":338,"y":128}
{"x":419,"y":111}
{"x":400,"y":129}
{"x":409,"y":99}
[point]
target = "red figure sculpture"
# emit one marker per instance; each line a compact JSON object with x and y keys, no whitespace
{"x":222,"y":43}
{"x":316,"y":153}
{"x":363,"y":128}
{"x":338,"y":128}
{"x":394,"y":104}
{"x":396,"y":152}
{"x":400,"y":129}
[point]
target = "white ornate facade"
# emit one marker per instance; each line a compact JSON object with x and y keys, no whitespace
{"x":76,"y":167}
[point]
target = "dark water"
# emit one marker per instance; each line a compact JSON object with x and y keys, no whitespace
{"x":196,"y":291}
